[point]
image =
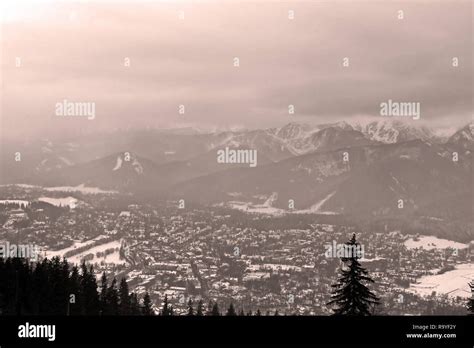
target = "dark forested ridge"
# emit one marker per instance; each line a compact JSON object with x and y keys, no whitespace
{"x":54,"y":287}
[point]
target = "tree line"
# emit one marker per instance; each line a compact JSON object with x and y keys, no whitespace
{"x":212,"y":310}
{"x":53,"y":287}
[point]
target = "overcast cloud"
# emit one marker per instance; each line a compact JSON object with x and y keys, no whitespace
{"x":77,"y":51}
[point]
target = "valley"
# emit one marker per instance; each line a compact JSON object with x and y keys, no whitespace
{"x":178,"y":222}
{"x":252,"y":259}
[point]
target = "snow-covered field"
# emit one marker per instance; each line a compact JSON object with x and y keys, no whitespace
{"x":76,"y":259}
{"x":268,"y":209}
{"x":65,"y":201}
{"x":58,"y":202}
{"x":453,"y":283}
{"x":256,"y":208}
{"x":316,"y":208}
{"x":265,"y":208}
{"x":274,"y":267}
{"x":20,"y":185}
{"x":14,"y":201}
{"x":111,"y":258}
{"x":80,"y":188}
{"x":429,"y":243}
{"x":77,"y":244}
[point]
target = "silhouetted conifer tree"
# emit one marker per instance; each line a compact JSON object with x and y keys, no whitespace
{"x":124,"y":298}
{"x":112,"y":307}
{"x":209,"y":308}
{"x":215,"y":310}
{"x":134,"y":304}
{"x":89,"y":291}
{"x":147,"y":310}
{"x":103,"y":294}
{"x":200,"y":309}
{"x":350,"y":295}
{"x":231,"y":310}
{"x":190,"y":308}
{"x":74,"y":289}
{"x":470,"y":304}
{"x":166,"y":311}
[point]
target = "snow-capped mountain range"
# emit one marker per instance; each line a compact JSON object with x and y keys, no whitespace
{"x":387,"y":161}
{"x":299,"y":139}
{"x":175,"y":147}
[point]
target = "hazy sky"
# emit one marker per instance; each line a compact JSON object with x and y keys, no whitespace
{"x":76,"y":51}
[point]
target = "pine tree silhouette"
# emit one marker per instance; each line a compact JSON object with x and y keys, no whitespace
{"x":124,"y":298}
{"x":74,"y":289}
{"x":112,"y":296}
{"x":350,"y":295}
{"x":200,"y":309}
{"x":89,"y":291}
{"x":470,"y":303}
{"x":215,"y":310}
{"x":146,"y":310}
{"x":231,"y":311}
{"x":209,"y":308}
{"x":134,"y":304}
{"x":103,"y":294}
{"x":190,"y":308}
{"x":166,"y":311}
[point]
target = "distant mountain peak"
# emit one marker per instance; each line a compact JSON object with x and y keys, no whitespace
{"x":293,"y":130}
{"x":464,"y":137}
{"x":389,"y":130}
{"x":128,"y":158}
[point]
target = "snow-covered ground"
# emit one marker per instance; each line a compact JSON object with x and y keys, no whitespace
{"x":77,"y":244}
{"x":111,"y":258}
{"x":118,"y":165}
{"x":64,"y":201}
{"x":135,"y":164}
{"x":268,"y":209}
{"x":274,"y":267}
{"x":255,"y":208}
{"x":265,"y":208}
{"x":453,"y":283}
{"x":316,"y":208}
{"x":430,"y":242}
{"x":80,"y":188}
{"x":76,"y":259}
{"x":21,"y":185}
{"x":14,"y":201}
